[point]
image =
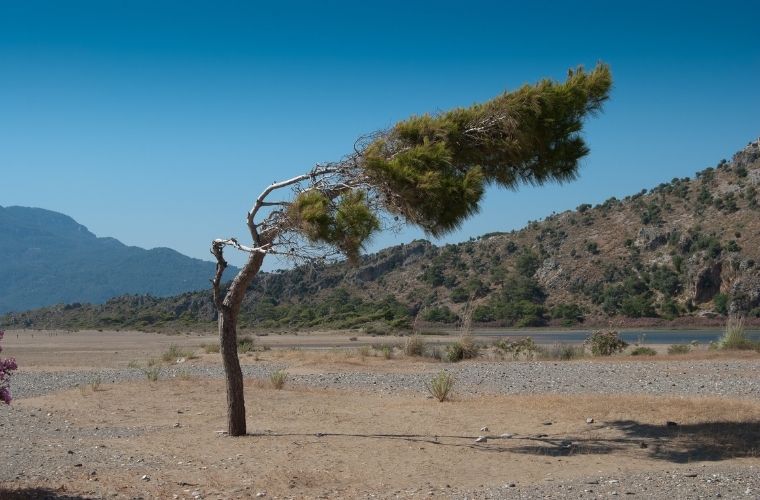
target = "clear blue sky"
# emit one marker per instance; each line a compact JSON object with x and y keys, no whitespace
{"x":158,"y":122}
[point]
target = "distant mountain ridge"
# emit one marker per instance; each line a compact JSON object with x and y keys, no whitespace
{"x":48,"y":258}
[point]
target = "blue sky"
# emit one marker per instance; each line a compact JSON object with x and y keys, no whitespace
{"x":158,"y":122}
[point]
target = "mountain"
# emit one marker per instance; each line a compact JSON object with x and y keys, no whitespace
{"x":683,"y":253}
{"x":48,"y":258}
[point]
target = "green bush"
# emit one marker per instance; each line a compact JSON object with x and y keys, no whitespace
{"x":246,"y":344}
{"x":679,"y":349}
{"x":525,"y":347}
{"x":643,"y":351}
{"x":735,"y":336}
{"x":605,"y":343}
{"x":464,"y":348}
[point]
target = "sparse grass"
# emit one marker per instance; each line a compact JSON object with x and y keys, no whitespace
{"x":95,"y":383}
{"x":735,"y":336}
{"x":561,"y":352}
{"x":414,"y":346}
{"x":441,"y":385}
{"x":152,"y":362}
{"x":387,"y":351}
{"x":364,"y":351}
{"x":184,"y":375}
{"x":211,"y":348}
{"x":679,"y":349}
{"x":643,"y":351}
{"x":278,"y":378}
{"x":152,"y":372}
{"x":464,"y":348}
{"x":174,"y":352}
{"x":133,"y":364}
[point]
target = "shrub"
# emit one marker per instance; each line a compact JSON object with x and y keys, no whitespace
{"x":440,"y":386}
{"x":605,"y":343}
{"x":174,"y":352}
{"x":563,"y":352}
{"x":246,"y":344}
{"x":277,"y":379}
{"x":464,"y":348}
{"x":735,"y":336}
{"x":152,"y":372}
{"x":364,"y":351}
{"x":679,"y":349}
{"x":414,"y":346}
{"x":721,"y":303}
{"x":387,"y":351}
{"x":643,"y":351}
{"x":521,"y":347}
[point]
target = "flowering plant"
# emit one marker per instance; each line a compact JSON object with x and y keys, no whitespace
{"x":7,"y":365}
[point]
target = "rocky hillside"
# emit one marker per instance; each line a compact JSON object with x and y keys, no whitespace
{"x":48,"y":258}
{"x":685,"y":252}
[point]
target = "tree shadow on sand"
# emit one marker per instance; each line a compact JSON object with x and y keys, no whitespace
{"x":37,"y":494}
{"x":708,"y":441}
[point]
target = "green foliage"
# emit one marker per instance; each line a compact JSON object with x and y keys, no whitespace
{"x":524,"y":347}
{"x":434,"y":169}
{"x":652,"y":215}
{"x":605,"y":343}
{"x":440,"y":314}
{"x":527,"y":264}
{"x":665,"y":280}
{"x":679,"y":349}
{"x":347,"y":223}
{"x":643,"y":351}
{"x":720,"y":301}
{"x":571,"y":312}
{"x":464,"y":348}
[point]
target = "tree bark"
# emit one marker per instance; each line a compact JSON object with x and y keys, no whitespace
{"x":229,"y":309}
{"x":234,"y":374}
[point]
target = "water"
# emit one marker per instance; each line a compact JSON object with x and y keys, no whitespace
{"x":631,"y":336}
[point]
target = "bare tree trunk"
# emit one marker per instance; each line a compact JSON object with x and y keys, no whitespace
{"x":234,"y":375}
{"x":228,"y":309}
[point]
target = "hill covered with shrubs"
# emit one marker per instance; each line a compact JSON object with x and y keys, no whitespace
{"x":683,"y":253}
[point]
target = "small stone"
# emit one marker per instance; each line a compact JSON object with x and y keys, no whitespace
{"x":481,"y":439}
{"x":589,"y":420}
{"x":261,"y":494}
{"x":177,"y":425}
{"x":670,"y":423}
{"x":484,"y":429}
{"x":145,"y":477}
{"x":507,"y":435}
{"x":643,"y":445}
{"x":690,"y":474}
{"x":547,"y":423}
{"x":512,"y":485}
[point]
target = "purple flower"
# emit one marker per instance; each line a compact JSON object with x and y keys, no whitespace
{"x":5,"y":395}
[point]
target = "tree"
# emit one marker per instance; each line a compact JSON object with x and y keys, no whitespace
{"x":429,"y":170}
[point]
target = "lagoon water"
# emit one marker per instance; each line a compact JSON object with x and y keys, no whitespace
{"x":631,"y":336}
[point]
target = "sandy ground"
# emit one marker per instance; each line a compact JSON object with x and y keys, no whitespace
{"x":162,"y":439}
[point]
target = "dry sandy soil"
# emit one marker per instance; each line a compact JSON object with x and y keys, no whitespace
{"x":142,"y":439}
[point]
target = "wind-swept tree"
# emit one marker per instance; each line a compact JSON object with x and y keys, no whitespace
{"x":429,"y":170}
